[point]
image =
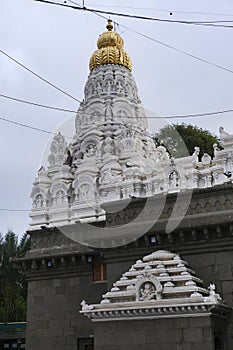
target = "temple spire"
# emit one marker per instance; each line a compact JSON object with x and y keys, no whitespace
{"x":110,"y":50}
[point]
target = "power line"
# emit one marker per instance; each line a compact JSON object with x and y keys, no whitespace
{"x":175,"y":49}
{"x":6,"y":209}
{"x":37,"y":104}
{"x":97,"y":14}
{"x":179,"y":50}
{"x":197,"y":114}
{"x":200,"y":23}
{"x":72,"y":111}
{"x":183,"y":116}
{"x":29,"y":127}
{"x":159,"y":42}
{"x":149,"y":117}
{"x":165,"y":10}
{"x":39,"y":76}
{"x":67,"y":94}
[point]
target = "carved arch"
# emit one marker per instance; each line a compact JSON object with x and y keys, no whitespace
{"x":38,"y":190}
{"x":91,"y":140}
{"x":39,"y":198}
{"x":59,"y":193}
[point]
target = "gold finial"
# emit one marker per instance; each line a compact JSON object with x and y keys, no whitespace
{"x":109,"y":26}
{"x":110,"y":50}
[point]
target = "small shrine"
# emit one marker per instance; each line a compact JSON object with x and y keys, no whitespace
{"x":158,"y":287}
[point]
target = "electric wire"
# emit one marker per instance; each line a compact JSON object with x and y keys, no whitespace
{"x":6,"y":209}
{"x":162,"y":43}
{"x":72,"y":111}
{"x":132,"y":30}
{"x":196,"y":114}
{"x":191,"y":115}
{"x":37,"y":104}
{"x":164,"y":10}
{"x":97,"y":14}
{"x":118,"y":14}
{"x":14,"y":122}
{"x":179,"y":50}
{"x":202,"y":23}
{"x":39,"y":76}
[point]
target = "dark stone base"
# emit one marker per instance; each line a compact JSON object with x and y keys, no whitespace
{"x":161,"y":334}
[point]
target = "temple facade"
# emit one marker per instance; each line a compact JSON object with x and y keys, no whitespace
{"x":130,"y":247}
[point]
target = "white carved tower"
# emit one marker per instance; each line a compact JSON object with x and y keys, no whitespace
{"x":112,"y":156}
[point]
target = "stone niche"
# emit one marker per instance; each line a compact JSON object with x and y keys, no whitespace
{"x":159,"y":304}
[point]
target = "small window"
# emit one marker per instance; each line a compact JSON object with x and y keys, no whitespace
{"x":89,"y":347}
{"x":100,"y":272}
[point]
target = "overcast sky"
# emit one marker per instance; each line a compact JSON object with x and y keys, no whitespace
{"x":57,"y":43}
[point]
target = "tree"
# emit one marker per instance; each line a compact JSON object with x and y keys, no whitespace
{"x":13,"y":292}
{"x":180,"y":140}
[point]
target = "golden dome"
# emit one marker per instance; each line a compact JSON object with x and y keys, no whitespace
{"x":110,"y":50}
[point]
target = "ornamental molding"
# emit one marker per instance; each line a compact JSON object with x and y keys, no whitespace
{"x":155,"y":312}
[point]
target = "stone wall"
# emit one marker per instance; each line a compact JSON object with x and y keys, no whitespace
{"x":53,"y":319}
{"x":203,"y":239}
{"x":217,"y":267}
{"x":163,"y":334}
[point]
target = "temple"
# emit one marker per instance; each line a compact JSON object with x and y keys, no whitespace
{"x":112,"y":156}
{"x":130,"y":245}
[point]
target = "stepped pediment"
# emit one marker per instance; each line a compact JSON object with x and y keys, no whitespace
{"x":161,"y":284}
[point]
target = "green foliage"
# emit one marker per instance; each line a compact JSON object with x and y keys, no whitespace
{"x":13,"y":291}
{"x":180,"y":140}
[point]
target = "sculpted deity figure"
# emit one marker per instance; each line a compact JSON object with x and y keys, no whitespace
{"x":108,"y":109}
{"x":174,"y":179}
{"x":213,"y":295}
{"x":119,"y":87}
{"x":129,"y":133}
{"x":161,"y":154}
{"x":84,"y":191}
{"x":216,"y":150}
{"x":98,"y":87}
{"x":122,"y":115}
{"x":148,"y":291}
{"x":206,"y":159}
{"x":91,"y":150}
{"x":108,"y":147}
{"x":195,"y":155}
{"x":212,"y":288}
{"x":150,"y":148}
{"x":85,"y":306}
{"x":60,"y":197}
{"x":108,"y":86}
{"x":223,"y":134}
{"x":39,"y":202}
